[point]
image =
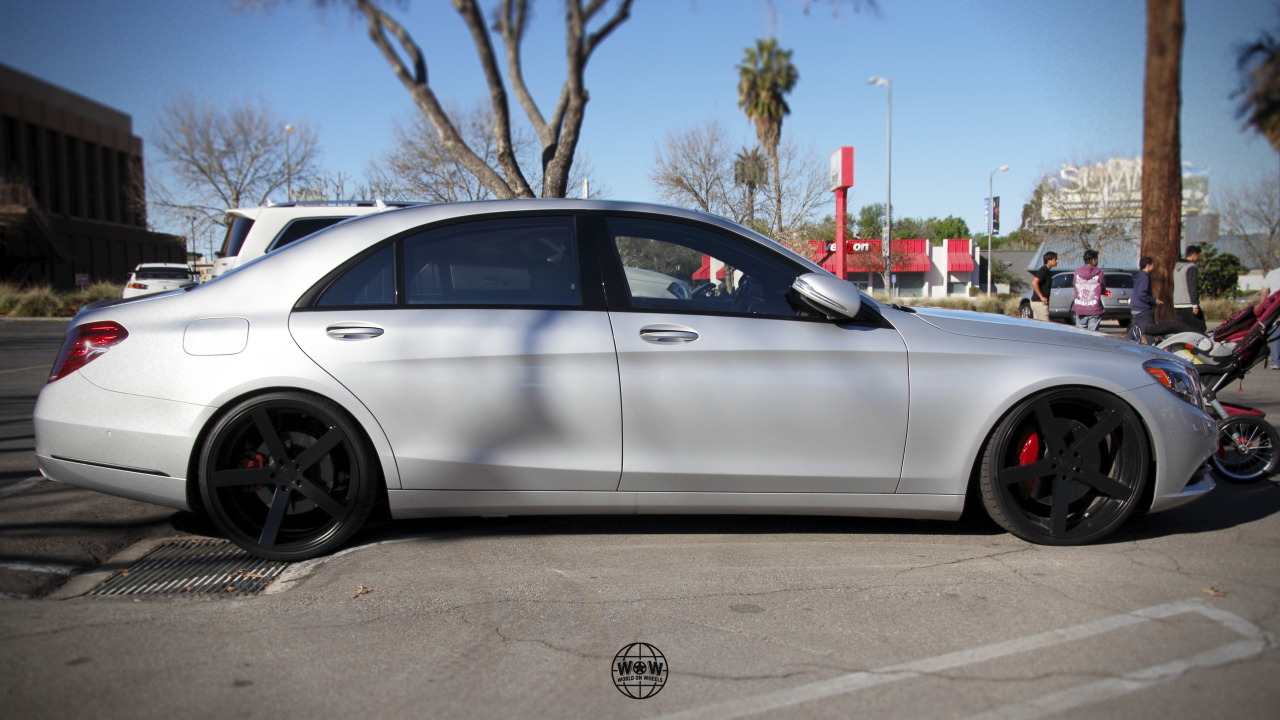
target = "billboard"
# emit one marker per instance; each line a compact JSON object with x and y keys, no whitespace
{"x":1112,"y":189}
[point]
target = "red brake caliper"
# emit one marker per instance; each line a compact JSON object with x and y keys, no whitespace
{"x":1030,"y":453}
{"x":256,"y":460}
{"x":1030,"y":450}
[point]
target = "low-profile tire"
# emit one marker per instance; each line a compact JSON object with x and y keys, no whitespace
{"x":1066,"y":467}
{"x":288,"y":476}
{"x":1024,"y":311}
{"x":1248,"y":449}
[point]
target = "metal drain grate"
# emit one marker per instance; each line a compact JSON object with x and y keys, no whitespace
{"x":193,"y":567}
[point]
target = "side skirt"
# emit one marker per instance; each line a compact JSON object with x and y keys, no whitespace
{"x":458,"y":503}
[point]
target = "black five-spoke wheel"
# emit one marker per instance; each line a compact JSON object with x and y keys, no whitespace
{"x":1066,"y":467}
{"x":287,"y":476}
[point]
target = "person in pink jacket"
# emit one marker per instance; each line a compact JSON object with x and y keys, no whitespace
{"x":1090,"y":285}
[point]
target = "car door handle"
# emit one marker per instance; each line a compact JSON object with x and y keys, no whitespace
{"x":663,"y":334}
{"x":353,"y":331}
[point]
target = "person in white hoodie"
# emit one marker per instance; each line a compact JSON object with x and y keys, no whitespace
{"x":1090,"y":285}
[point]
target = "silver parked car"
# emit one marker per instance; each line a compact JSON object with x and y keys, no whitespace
{"x":499,"y":358}
{"x":1062,"y":293}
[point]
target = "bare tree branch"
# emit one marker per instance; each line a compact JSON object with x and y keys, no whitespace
{"x":380,"y":23}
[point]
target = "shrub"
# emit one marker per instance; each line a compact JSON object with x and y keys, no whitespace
{"x":38,"y":302}
{"x":1219,"y":309}
{"x":9,"y":295}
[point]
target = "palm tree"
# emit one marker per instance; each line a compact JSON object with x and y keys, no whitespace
{"x":750,"y":170}
{"x":765,"y":76}
{"x":1161,"y":146}
{"x":1259,"y":92}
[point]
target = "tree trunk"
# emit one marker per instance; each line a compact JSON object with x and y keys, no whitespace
{"x":777,"y":194}
{"x":1162,"y":148}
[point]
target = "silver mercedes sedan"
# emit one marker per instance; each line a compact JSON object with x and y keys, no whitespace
{"x":547,"y":356}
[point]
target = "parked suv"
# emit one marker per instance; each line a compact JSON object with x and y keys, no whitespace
{"x":257,"y":231}
{"x":1115,"y":303}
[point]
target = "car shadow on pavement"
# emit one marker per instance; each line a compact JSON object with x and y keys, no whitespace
{"x":677,"y":524}
{"x":1227,"y":506}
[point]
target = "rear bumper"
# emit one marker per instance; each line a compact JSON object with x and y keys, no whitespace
{"x":120,"y":444}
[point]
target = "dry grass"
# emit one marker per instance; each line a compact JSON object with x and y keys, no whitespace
{"x":44,"y":301}
{"x":999,"y":304}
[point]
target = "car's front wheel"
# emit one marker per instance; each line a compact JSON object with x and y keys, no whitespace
{"x":288,"y":476}
{"x":1066,"y":467}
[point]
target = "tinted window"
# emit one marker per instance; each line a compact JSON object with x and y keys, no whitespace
{"x":162,"y":274}
{"x":301,"y":228}
{"x":671,"y":266}
{"x":1119,"y":280}
{"x":520,"y":262}
{"x":1062,"y":280}
{"x":237,"y":231}
{"x":370,"y":282}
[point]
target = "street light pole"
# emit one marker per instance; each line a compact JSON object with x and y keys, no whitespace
{"x":991,"y":211}
{"x":888,"y":171}
{"x":288,"y":163}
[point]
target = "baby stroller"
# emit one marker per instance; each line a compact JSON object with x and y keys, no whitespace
{"x":1248,"y":446}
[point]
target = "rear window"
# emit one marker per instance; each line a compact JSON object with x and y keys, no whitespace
{"x":161,"y":274}
{"x":300,"y":228}
{"x":237,"y":231}
{"x":1119,"y":280}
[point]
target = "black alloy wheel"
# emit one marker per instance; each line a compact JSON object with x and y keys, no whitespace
{"x":288,"y":476}
{"x":1066,"y":467}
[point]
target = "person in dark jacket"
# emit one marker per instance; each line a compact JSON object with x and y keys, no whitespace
{"x":1090,"y":285}
{"x":1143,"y":304}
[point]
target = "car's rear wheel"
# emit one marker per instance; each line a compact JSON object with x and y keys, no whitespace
{"x":1066,"y":467}
{"x":1024,"y":311}
{"x":288,"y":476}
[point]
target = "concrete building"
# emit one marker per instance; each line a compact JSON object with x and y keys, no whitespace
{"x":920,"y":268}
{"x":72,"y":191}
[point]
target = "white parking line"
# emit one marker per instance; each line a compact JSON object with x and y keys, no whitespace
{"x":19,"y":486}
{"x":1256,"y":641}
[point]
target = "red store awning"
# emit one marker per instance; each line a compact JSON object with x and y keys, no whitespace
{"x":958,"y":257}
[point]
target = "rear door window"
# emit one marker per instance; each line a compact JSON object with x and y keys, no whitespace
{"x":511,"y":262}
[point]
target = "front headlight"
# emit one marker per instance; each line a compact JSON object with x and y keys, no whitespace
{"x":1180,"y":379}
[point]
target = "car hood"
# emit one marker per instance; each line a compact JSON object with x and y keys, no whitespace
{"x":1003,"y":327}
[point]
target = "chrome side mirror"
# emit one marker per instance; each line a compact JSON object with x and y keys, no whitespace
{"x":829,"y":295}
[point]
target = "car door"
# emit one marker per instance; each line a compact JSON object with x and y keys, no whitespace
{"x":484,"y":359}
{"x":1062,"y":294}
{"x":731,"y":387}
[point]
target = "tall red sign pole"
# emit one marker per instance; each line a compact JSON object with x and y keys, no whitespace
{"x":841,"y":173}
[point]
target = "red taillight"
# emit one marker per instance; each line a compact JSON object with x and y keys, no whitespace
{"x":84,"y":344}
{"x":137,"y":286}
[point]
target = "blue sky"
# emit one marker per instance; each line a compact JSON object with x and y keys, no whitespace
{"x":976,"y":83}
